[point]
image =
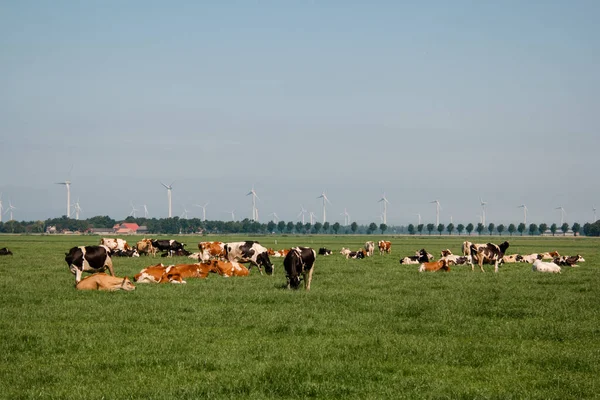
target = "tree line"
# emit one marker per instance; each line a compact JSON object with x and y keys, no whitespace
{"x":178,"y":225}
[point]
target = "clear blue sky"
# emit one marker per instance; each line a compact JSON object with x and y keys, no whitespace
{"x":448,"y":100}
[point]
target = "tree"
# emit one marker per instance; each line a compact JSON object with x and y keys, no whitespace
{"x":532,"y":229}
{"x":587,"y":229}
{"x":500,"y":229}
{"x":271,"y":226}
{"x":318,"y":226}
{"x":450,"y":228}
{"x":336,"y":227}
{"x":553,"y":229}
{"x":372,"y":228}
{"x":460,"y":228}
{"x":300,"y":227}
{"x":411,"y":229}
{"x":480,"y":228}
{"x":512,"y":229}
{"x":440,"y":228}
{"x":353,"y":227}
{"x":576,"y":228}
{"x":326,"y":227}
{"x":543,"y":228}
{"x":383,"y":228}
{"x":430,"y":228}
{"x":470,"y":228}
{"x":420,"y":229}
{"x":290,"y":227}
{"x":491,"y":227}
{"x":521,"y":228}
{"x":281,"y":226}
{"x":565,"y":228}
{"x":307,"y":227}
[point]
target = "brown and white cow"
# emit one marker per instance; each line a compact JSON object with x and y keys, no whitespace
{"x":184,"y":271}
{"x":299,"y":261}
{"x":369,"y":248}
{"x":384,"y":247}
{"x":278,"y":253}
{"x":102,"y":281}
{"x":89,"y":259}
{"x":115,"y":244}
{"x":490,"y":254}
{"x":512,"y":258}
{"x":152,"y":274}
{"x":434,"y":266}
{"x":210,"y":250}
{"x":550,"y":255}
{"x":144,"y":246}
{"x":530,"y":258}
{"x":466,"y":247}
{"x":228,"y":268}
{"x":252,"y":252}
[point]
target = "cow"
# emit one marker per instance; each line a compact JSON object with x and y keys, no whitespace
{"x":513,"y":258}
{"x":115,"y":244}
{"x":541,"y":266}
{"x":228,"y":269}
{"x":369,"y":248}
{"x":530,"y":258}
{"x":324,"y":252}
{"x":360,"y":254}
{"x":126,"y":253}
{"x":434,"y":266}
{"x":89,"y":259}
{"x":466,"y":247}
{"x":177,"y":253}
{"x":152,"y":274}
{"x":299,"y":261}
{"x":180,"y":272}
{"x":144,"y":246}
{"x":423,"y":253}
{"x":252,"y":252}
{"x":550,"y":255}
{"x":457,"y":260}
{"x":5,"y":252}
{"x":169,"y":246}
{"x":210,"y":250}
{"x":490,"y":254}
{"x":384,"y":247}
{"x":420,"y":256}
{"x":278,"y":253}
{"x":345,"y":252}
{"x":410,"y":260}
{"x":102,"y":281}
{"x":568,"y":260}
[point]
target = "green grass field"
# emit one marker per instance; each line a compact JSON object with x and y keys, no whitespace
{"x":368,"y":329}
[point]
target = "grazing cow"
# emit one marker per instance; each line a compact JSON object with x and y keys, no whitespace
{"x":252,"y":252}
{"x":5,"y":252}
{"x":144,"y":246}
{"x":126,"y":253}
{"x":115,"y":244}
{"x":89,"y":259}
{"x":550,"y":255}
{"x":434,"y":266}
{"x":490,"y":254}
{"x":228,"y":269}
{"x":540,"y":266}
{"x":299,"y":261}
{"x":210,"y":250}
{"x":102,"y":281}
{"x":170,"y":246}
{"x":324,"y":252}
{"x":530,"y":258}
{"x":384,"y":247}
{"x":369,"y":248}
{"x":513,"y":258}
{"x":569,"y":260}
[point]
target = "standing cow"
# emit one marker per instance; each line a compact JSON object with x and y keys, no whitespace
{"x":170,"y":246}
{"x":299,"y":261}
{"x":490,"y":254}
{"x":252,"y":252}
{"x":89,"y":259}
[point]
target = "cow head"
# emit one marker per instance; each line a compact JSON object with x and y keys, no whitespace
{"x":446,"y":253}
{"x":126,"y":285}
{"x":503,"y":246}
{"x":519,"y":258}
{"x":263,"y":260}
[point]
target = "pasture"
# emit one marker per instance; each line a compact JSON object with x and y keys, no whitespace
{"x":369,"y":328}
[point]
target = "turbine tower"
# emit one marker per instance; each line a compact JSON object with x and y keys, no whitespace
{"x":68,"y":186}
{"x":593,"y":209}
{"x":133,"y":210}
{"x":312,"y":218}
{"x":419,"y":215}
{"x":524,"y":207}
{"x":437,"y":212}
{"x":346,"y":217}
{"x":232,"y":212}
{"x":10,"y":209}
{"x":254,"y":197}
{"x":483,"y":204}
{"x":562,"y":214}
{"x":169,"y":189}
{"x":1,"y":207}
{"x":275,"y":217}
{"x":302,"y":213}
{"x":385,"y":203}
{"x":145,"y":211}
{"x":325,"y":200}
{"x":78,"y":209}
{"x":203,"y":210}
{"x":184,"y":214}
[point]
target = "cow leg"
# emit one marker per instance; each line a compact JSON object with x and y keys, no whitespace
{"x":481,"y":264}
{"x":77,"y":275}
{"x":496,"y":266}
{"x":109,"y":265}
{"x":307,"y":281}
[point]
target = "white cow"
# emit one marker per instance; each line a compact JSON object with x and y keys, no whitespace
{"x":541,"y":266}
{"x":369,"y":248}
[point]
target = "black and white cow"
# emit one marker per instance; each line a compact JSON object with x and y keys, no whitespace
{"x":488,"y":254}
{"x":324,"y":252}
{"x":249,"y":251}
{"x":170,"y":246}
{"x":89,"y":259}
{"x":5,"y":252}
{"x":299,"y":261}
{"x":568,"y":260}
{"x":421,"y":256}
{"x":125,"y":253}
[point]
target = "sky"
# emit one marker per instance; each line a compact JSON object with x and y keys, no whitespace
{"x":433,"y":100}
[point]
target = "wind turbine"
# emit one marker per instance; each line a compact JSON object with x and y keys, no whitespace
{"x":10,"y":209}
{"x":169,"y":189}
{"x":232,"y":212}
{"x":184,"y":214}
{"x":68,"y":186}
{"x":385,"y":203}
{"x":1,"y":207}
{"x":203,"y":210}
{"x":419,"y":215}
{"x":275,"y":217}
{"x":562,"y":214}
{"x":346,"y":217}
{"x":78,"y":209}
{"x":325,"y":200}
{"x":593,"y":209}
{"x":254,"y":197}
{"x":312,"y":218}
{"x":145,"y":211}
{"x":302,"y":213}
{"x":437,"y":211}
{"x":133,"y":210}
{"x":480,"y":218}
{"x":483,"y":204}
{"x":524,"y":207}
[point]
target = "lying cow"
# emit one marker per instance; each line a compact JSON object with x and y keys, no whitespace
{"x":457,"y":260}
{"x":114,"y":244}
{"x":530,"y":258}
{"x":513,"y":258}
{"x":434,"y":266}
{"x":152,"y":274}
{"x":228,"y":269}
{"x":357,"y":255}
{"x":252,"y":252}
{"x":5,"y":252}
{"x":490,"y":254}
{"x":177,"y":253}
{"x":278,"y":253}
{"x":421,"y":256}
{"x":550,"y":255}
{"x":299,"y":261}
{"x":570,"y":261}
{"x":102,"y":281}
{"x":89,"y":259}
{"x":126,"y":253}
{"x":324,"y":252}
{"x":541,"y":266}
